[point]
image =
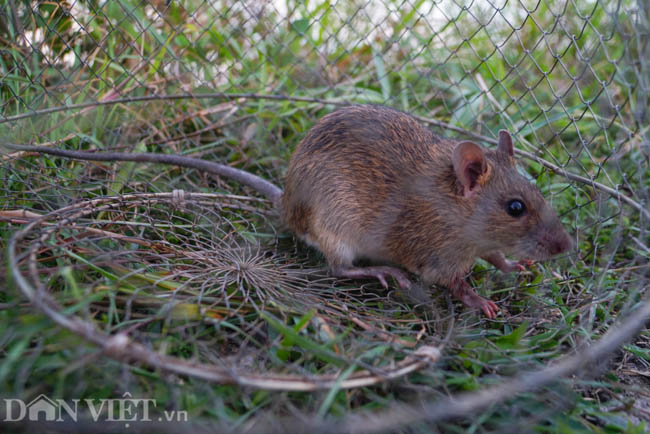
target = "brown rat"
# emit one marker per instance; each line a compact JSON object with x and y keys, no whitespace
{"x":371,"y":182}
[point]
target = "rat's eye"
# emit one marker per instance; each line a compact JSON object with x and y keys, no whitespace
{"x":515,"y":208}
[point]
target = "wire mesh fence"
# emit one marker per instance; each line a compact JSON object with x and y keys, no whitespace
{"x":197,"y":274}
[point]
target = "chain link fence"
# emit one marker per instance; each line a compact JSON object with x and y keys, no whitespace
{"x":170,"y":268}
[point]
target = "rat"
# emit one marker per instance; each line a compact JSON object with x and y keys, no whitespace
{"x":371,"y":182}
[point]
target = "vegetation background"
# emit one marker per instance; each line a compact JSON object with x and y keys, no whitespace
{"x":218,"y":281}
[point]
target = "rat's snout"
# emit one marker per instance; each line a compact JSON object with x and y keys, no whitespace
{"x":551,"y":237}
{"x":556,"y":240}
{"x":560,"y":245}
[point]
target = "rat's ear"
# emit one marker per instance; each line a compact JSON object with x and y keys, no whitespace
{"x":505,"y":143}
{"x":469,"y":165}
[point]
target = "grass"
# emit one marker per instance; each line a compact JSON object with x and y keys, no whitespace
{"x":226,"y":285}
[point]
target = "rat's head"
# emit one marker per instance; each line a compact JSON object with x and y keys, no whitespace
{"x":508,"y":213}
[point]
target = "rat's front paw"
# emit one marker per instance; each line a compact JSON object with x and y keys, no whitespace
{"x":488,"y":307}
{"x":499,"y":260}
{"x":511,"y":266}
{"x":465,"y":293}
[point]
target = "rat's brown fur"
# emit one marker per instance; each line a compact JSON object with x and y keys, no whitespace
{"x":372,"y":182}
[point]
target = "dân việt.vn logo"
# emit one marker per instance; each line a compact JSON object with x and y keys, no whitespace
{"x":125,"y":409}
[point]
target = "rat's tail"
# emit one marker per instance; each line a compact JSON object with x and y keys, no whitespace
{"x":268,"y":189}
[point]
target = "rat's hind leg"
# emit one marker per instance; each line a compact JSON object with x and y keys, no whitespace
{"x":341,"y":254}
{"x":375,"y":272}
